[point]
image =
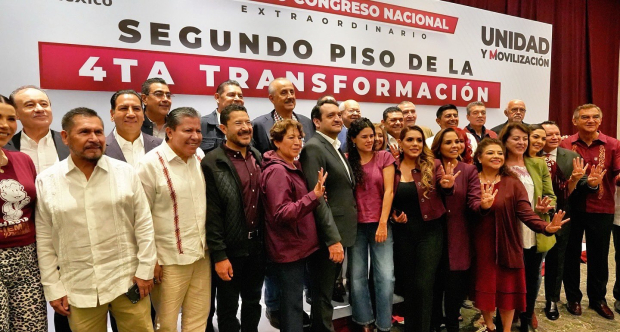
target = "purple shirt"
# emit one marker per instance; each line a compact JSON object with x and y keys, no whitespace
{"x":369,"y":195}
{"x":604,"y":150}
{"x":248,"y":171}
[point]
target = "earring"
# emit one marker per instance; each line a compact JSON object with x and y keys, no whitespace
{"x":353,"y":144}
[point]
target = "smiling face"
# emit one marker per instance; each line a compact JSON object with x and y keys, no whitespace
{"x":290,"y":146}
{"x":379,"y":138}
{"x":238,"y":129}
{"x":158,"y":101}
{"x":34,"y":109}
{"x":538,"y":139}
{"x":450,"y":145}
{"x":412,"y":144}
{"x":231,"y":94}
{"x":365,"y":140}
{"x":331,"y":120}
{"x":127,"y":115}
{"x":85,"y":138}
{"x":449,"y":119}
{"x":517,"y":142}
{"x":282,"y":96}
{"x":588,"y":120}
{"x":492,"y":157}
{"x":554,"y":137}
{"x":409,"y":113}
{"x":185,"y":138}
{"x":394,"y":123}
{"x":8,"y":123}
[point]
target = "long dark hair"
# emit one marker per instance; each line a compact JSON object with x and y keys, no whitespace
{"x":503,"y":171}
{"x":354,"y":156}
{"x":532,"y":127}
{"x":426,"y":160}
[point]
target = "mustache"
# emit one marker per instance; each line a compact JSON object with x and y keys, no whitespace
{"x":92,"y":146}
{"x":244,"y":132}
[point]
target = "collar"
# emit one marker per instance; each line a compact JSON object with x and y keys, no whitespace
{"x":334,"y":142}
{"x":575,"y":137}
{"x":170,"y":155}
{"x":121,"y":141}
{"x":473,"y":131}
{"x":278,"y":118}
{"x":553,"y":153}
{"x":101,"y":163}
{"x":228,"y":150}
{"x":25,"y":138}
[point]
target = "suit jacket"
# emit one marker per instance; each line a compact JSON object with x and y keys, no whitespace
{"x":336,"y":218}
{"x":212,"y":135}
{"x":342,"y":137}
{"x":537,"y":168}
{"x":113,"y":149}
{"x":262,"y":125}
{"x":61,"y":149}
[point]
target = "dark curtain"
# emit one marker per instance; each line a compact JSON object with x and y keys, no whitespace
{"x":584,"y":56}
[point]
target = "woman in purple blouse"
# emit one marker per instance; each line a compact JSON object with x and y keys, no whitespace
{"x":374,"y":175}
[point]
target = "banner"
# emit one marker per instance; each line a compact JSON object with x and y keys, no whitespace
{"x":378,"y":53}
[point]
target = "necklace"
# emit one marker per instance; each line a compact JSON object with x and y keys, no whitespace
{"x":487,"y":181}
{"x":3,"y":162}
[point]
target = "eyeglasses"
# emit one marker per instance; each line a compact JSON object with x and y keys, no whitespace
{"x":517,"y":110}
{"x":161,"y":94}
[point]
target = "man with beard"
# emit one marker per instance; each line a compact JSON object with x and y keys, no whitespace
{"x":235,"y":222}
{"x":157,"y":101}
{"x":282,"y":96}
{"x":350,"y":112}
{"x":336,"y":221}
{"x":515,"y":112}
{"x":94,"y":233}
{"x":228,"y":92}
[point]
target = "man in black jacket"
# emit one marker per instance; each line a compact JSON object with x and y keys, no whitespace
{"x":235,"y":222}
{"x":228,"y":92}
{"x":336,"y":218}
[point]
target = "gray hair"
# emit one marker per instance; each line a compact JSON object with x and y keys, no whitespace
{"x":474,"y":103}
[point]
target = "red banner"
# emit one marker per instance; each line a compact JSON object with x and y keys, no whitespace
{"x":92,"y":68}
{"x":375,"y":11}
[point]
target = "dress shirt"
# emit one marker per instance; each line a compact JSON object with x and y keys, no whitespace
{"x":132,"y":151}
{"x":176,"y":192}
{"x":249,"y":174}
{"x":336,"y":144}
{"x":392,"y":140}
{"x":98,"y":231}
{"x":552,"y":155}
{"x":43,"y":154}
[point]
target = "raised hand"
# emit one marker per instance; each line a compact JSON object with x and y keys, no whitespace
{"x":557,"y":222}
{"x":448,"y":176}
{"x":488,"y":196}
{"x":319,"y":188}
{"x":596,"y":175}
{"x":578,"y":169}
{"x":394,"y":150}
{"x":542,"y":205}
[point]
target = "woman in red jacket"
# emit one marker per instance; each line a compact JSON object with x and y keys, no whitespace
{"x":290,"y":229}
{"x":499,"y":268}
{"x":452,"y":280}
{"x":418,"y":229}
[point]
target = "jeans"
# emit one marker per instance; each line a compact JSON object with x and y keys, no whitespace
{"x":381,"y":255}
{"x":272,"y":289}
{"x":290,"y":280}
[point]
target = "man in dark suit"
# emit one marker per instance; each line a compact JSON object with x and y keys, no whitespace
{"x":350,"y":112}
{"x":228,"y":92}
{"x":34,"y":111}
{"x":127,"y":142}
{"x":336,"y":217}
{"x":282,"y":96}
{"x":157,"y":101}
{"x":515,"y":112}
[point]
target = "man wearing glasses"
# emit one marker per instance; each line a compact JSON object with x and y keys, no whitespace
{"x":157,"y":101}
{"x":515,"y":112}
{"x":350,"y":112}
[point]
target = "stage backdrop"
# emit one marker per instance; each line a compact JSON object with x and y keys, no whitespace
{"x":379,"y":53}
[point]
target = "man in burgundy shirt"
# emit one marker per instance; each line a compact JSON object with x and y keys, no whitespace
{"x":235,"y":222}
{"x":592,"y":212}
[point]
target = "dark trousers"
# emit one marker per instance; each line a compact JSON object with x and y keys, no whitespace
{"x":533,"y":265}
{"x":597,"y":227}
{"x":323,"y":274}
{"x":210,"y":327}
{"x":247,"y":283}
{"x":554,"y":264}
{"x":61,"y":323}
{"x":417,"y":253}
{"x":449,"y":294}
{"x":616,"y":231}
{"x":290,"y":279}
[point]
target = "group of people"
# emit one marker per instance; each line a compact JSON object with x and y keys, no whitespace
{"x":177,"y":212}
